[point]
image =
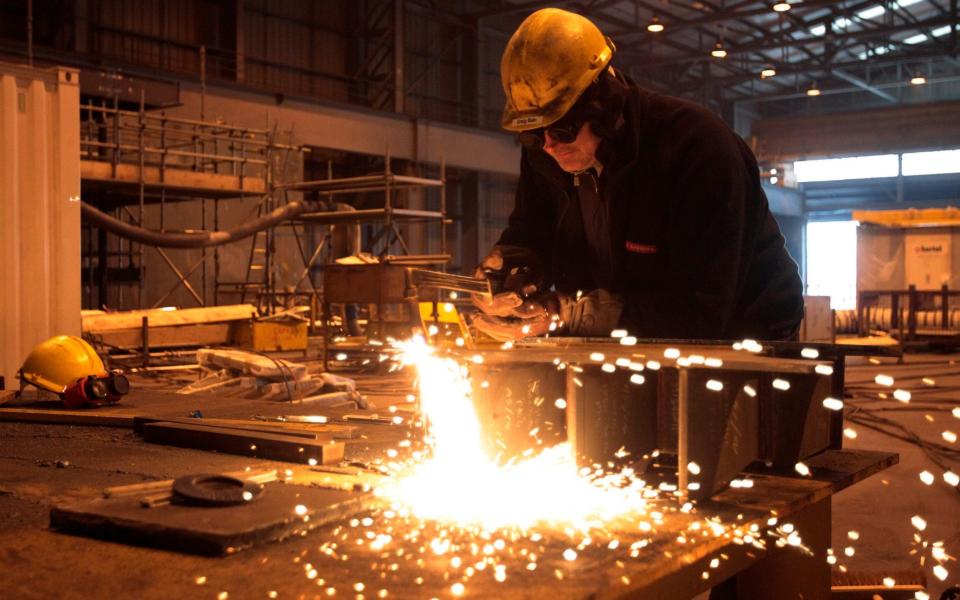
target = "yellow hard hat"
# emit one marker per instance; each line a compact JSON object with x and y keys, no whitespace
{"x":57,"y":363}
{"x":551,"y":59}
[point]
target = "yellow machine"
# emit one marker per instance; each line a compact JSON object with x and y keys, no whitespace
{"x":443,"y":325}
{"x":286,"y":332}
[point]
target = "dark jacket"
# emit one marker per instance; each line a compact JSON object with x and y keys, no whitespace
{"x":696,"y":252}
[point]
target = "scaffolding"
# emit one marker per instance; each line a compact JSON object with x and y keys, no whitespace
{"x":134,"y":159}
{"x":197,"y":158}
{"x":386,"y":234}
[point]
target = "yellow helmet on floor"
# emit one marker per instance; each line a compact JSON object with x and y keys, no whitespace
{"x":71,"y":368}
{"x":550,"y":60}
{"x":57,"y":363}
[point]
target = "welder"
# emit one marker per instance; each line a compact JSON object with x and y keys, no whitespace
{"x":634,"y":210}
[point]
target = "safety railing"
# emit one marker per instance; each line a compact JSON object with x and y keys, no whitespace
{"x":110,"y":134}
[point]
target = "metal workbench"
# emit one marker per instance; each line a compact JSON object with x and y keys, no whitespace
{"x":669,"y":560}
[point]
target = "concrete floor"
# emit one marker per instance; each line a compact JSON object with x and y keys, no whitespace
{"x":879,"y":509}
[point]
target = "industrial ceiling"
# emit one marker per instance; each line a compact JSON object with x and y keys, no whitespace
{"x":781,"y":57}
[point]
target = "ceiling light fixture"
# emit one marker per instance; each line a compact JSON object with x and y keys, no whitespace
{"x":768,"y":72}
{"x":813,"y":91}
{"x":655,"y":25}
{"x":918,"y":80}
{"x":781,"y":6}
{"x":718,"y":50}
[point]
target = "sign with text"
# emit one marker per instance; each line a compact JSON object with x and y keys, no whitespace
{"x":927,"y":259}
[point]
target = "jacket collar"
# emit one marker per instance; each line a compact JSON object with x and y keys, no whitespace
{"x":623,"y":153}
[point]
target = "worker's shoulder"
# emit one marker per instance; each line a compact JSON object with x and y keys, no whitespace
{"x":678,"y":112}
{"x":685,"y":124}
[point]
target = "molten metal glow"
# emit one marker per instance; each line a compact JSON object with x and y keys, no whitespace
{"x":459,"y":482}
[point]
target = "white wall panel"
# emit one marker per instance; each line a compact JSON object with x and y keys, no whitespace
{"x":39,"y":209}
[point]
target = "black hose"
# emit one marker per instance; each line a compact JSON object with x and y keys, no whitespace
{"x":191,"y":240}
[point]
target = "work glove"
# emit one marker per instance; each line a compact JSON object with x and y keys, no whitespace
{"x":594,"y":314}
{"x":514,"y":273}
{"x":510,"y":317}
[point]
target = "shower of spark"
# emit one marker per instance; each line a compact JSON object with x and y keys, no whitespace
{"x":456,"y":522}
{"x":457,"y":481}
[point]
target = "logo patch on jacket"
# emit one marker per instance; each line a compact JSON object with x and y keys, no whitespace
{"x":641,"y":248}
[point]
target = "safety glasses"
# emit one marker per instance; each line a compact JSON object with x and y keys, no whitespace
{"x":563,"y":131}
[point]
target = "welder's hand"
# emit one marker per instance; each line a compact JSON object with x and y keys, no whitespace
{"x":529,"y":318}
{"x":507,"y":329}
{"x":494,"y":261}
{"x":500,"y":305}
{"x":510,"y":269}
{"x":593,"y":314}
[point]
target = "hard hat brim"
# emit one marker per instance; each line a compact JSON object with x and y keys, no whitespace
{"x":59,"y":361}
{"x":517,"y":121}
{"x":549,"y":62}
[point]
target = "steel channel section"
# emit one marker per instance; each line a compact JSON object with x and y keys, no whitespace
{"x":836,"y":356}
{"x":611,"y":421}
{"x":683,"y":429}
{"x":516,"y":404}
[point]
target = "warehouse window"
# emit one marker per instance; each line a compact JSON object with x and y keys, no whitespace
{"x":832,"y":262}
{"x":931,"y":163}
{"x":853,"y":167}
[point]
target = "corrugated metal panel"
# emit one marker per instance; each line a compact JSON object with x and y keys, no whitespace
{"x":138,"y":33}
{"x":182,"y":24}
{"x":491,"y":91}
{"x":39,"y":209}
{"x":330,"y":14}
{"x":497,"y":199}
{"x":433,"y":70}
{"x":293,"y":47}
{"x":330,"y":57}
